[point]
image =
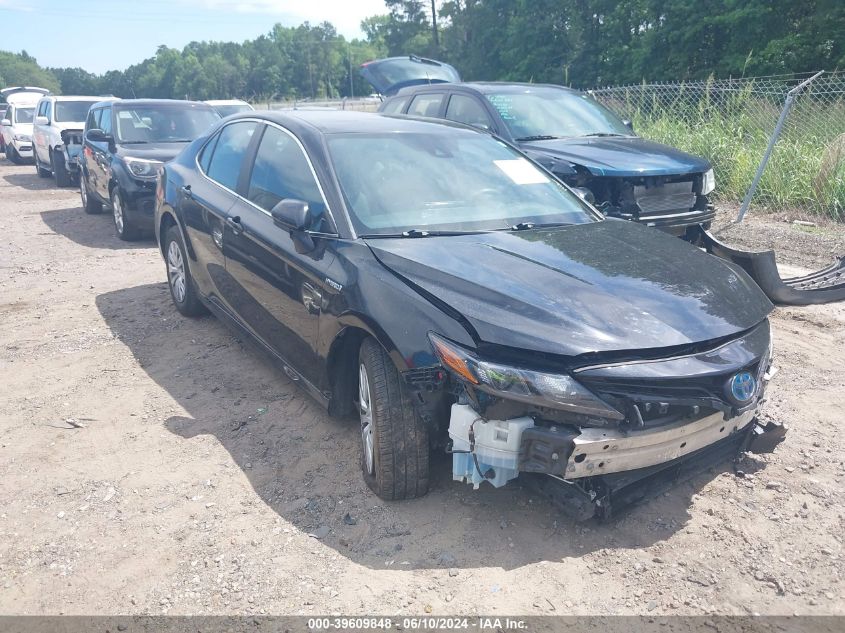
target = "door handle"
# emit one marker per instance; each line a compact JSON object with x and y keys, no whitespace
{"x":235,"y":224}
{"x":186,"y":189}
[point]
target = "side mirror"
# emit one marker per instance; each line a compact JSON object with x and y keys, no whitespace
{"x":629,"y":124}
{"x":98,"y":136}
{"x":295,"y":216}
{"x":42,"y":120}
{"x":5,"y":122}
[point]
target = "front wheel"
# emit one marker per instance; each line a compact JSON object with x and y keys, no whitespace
{"x":42,"y":173}
{"x":12,"y":155}
{"x":179,"y":280}
{"x":60,"y":171}
{"x":122,"y":226}
{"x":394,"y":439}
{"x":89,"y":204}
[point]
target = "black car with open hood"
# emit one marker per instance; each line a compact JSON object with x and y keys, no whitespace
{"x":459,"y":297}
{"x":583,"y":143}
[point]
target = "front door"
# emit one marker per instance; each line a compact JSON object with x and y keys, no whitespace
{"x":282,"y":291}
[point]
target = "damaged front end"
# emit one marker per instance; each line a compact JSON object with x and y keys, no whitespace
{"x":677,"y":204}
{"x":596,"y":437}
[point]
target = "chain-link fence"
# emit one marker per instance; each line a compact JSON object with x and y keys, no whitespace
{"x":356,"y":104}
{"x":731,"y":121}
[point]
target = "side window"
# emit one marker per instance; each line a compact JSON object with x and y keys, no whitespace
{"x":281,"y":171}
{"x":93,"y":120}
{"x":229,"y":152}
{"x":105,"y":120}
{"x":42,"y":109}
{"x":207,"y":151}
{"x":426,"y":105}
{"x":48,"y":110}
{"x":395,"y":106}
{"x":467,"y":110}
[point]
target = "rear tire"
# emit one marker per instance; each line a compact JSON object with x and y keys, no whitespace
{"x":60,"y":171}
{"x":89,"y":204}
{"x":394,"y":439}
{"x":123,"y":227}
{"x":183,"y":291}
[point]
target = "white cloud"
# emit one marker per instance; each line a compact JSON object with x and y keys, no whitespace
{"x":345,"y":15}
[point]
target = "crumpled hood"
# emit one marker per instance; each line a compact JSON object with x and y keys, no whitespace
{"x":617,"y":156}
{"x":599,"y":287}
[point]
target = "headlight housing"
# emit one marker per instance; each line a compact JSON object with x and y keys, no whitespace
{"x":143,"y":168}
{"x":555,"y":391}
{"x":23,"y":138}
{"x":708,"y":182}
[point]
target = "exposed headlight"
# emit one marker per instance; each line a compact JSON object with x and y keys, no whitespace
{"x":708,"y":182}
{"x":143,"y":168}
{"x":23,"y":138}
{"x":555,"y":391}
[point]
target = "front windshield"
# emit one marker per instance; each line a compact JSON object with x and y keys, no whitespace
{"x":445,"y":182}
{"x":73,"y":111}
{"x":163,"y":123}
{"x":24,"y":115}
{"x":226,"y":110}
{"x":538,"y":113}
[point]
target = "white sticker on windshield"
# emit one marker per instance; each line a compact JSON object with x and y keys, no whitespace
{"x":521,"y":171}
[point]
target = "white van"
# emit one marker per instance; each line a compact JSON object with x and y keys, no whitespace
{"x":16,"y":126}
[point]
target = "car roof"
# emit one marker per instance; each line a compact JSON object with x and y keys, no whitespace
{"x":215,"y":102}
{"x":149,"y":102}
{"x":486,"y":87}
{"x":78,"y":98}
{"x":350,"y":122}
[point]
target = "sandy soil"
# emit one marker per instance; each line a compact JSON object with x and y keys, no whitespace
{"x":150,"y":464}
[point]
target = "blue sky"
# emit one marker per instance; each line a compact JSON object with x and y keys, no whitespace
{"x":100,"y":35}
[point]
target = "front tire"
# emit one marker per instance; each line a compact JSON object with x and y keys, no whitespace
{"x":122,"y":225}
{"x":89,"y":204}
{"x":394,"y":439}
{"x":42,"y":173}
{"x":60,"y":171}
{"x":12,"y":155}
{"x":183,"y":291}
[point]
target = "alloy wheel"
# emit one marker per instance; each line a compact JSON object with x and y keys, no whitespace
{"x":117,"y":210}
{"x":366,"y":412}
{"x":176,"y":271}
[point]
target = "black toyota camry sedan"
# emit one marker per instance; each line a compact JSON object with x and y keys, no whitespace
{"x":459,"y":297}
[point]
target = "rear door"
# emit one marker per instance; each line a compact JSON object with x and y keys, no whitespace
{"x":282,"y":291}
{"x":205,"y":200}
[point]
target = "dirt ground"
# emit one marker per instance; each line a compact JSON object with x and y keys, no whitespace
{"x":154,"y":464}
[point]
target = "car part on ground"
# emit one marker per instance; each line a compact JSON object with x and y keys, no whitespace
{"x":823,"y":286}
{"x":491,"y":313}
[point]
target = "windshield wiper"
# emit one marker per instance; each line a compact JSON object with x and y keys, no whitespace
{"x":134,"y":142}
{"x":596,"y":134}
{"x":524,"y":226}
{"x":537,"y":137}
{"x":421,"y":233}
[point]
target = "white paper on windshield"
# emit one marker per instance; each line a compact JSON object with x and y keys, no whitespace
{"x":521,"y":171}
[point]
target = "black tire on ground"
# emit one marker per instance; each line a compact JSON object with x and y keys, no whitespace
{"x":60,"y":171}
{"x":123,"y":226}
{"x":89,"y":204}
{"x":397,"y":466}
{"x":185,"y":296}
{"x":42,"y":173}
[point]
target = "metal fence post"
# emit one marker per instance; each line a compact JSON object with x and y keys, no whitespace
{"x":787,"y":106}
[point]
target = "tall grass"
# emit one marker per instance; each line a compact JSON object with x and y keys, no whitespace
{"x":732,"y":128}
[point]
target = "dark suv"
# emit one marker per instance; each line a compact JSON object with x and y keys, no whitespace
{"x":579,"y":140}
{"x":125,"y":144}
